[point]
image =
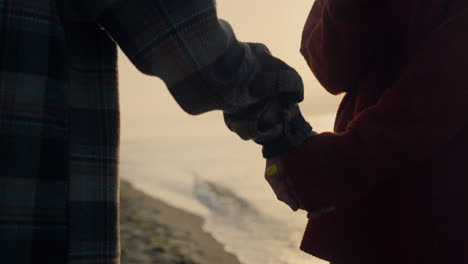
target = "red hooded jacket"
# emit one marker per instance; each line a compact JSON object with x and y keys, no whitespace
{"x":396,"y":168}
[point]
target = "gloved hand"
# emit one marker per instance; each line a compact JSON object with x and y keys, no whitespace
{"x":281,"y":184}
{"x":283,"y":188}
{"x":276,"y":127}
{"x":275,"y":121}
{"x":274,"y":78}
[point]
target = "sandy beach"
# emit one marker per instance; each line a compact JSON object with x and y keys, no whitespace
{"x":152,"y":232}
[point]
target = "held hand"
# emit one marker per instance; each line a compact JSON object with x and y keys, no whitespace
{"x":278,"y":128}
{"x":266,"y":109}
{"x":284,"y":191}
{"x":281,"y":184}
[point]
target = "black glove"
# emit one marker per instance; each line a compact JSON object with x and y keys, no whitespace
{"x":278,"y":128}
{"x":295,"y":130}
{"x":274,"y":78}
{"x":275,"y":121}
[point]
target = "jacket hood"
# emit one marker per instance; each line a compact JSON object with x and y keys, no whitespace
{"x":400,"y":25}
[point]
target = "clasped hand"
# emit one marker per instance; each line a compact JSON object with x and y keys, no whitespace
{"x":281,"y":184}
{"x":274,"y":120}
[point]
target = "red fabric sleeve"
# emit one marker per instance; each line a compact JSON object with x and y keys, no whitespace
{"x":338,"y":40}
{"x":413,"y":120}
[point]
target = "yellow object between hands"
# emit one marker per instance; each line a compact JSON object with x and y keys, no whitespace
{"x":272,"y":170}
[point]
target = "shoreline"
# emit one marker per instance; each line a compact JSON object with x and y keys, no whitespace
{"x":153,"y":232}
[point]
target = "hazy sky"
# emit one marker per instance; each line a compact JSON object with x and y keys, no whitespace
{"x":148,"y":109}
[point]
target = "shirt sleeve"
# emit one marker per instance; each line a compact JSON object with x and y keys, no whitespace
{"x":415,"y":119}
{"x":184,"y":43}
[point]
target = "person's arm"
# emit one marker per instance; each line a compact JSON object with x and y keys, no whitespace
{"x":200,"y":60}
{"x":419,"y":115}
{"x":339,"y":38}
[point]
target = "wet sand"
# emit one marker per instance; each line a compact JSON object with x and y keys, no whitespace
{"x":152,"y":232}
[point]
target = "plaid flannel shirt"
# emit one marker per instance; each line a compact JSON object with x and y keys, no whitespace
{"x":59,"y":112}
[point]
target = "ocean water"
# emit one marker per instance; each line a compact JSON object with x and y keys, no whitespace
{"x":219,"y":177}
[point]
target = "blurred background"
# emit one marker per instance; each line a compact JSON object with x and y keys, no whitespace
{"x":196,"y":164}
